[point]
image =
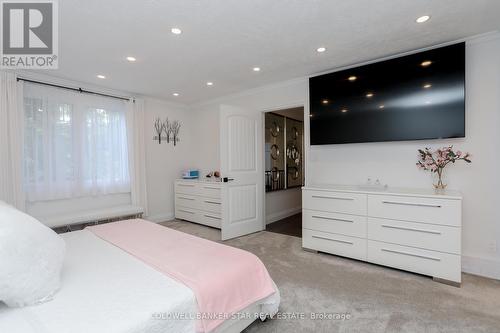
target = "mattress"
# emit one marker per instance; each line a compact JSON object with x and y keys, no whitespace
{"x":104,"y":289}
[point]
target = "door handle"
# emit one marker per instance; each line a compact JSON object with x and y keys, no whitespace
{"x":185,"y":211}
{"x":334,"y":198}
{"x":333,"y":240}
{"x":332,"y":219}
{"x":411,"y":254}
{"x":213,"y":217}
{"x":411,"y":229}
{"x":212,"y":202}
{"x":184,"y":198}
{"x":410,"y":204}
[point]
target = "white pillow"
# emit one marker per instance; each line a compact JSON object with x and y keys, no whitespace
{"x":31,"y":258}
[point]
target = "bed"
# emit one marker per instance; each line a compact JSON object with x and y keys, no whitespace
{"x":106,"y":289}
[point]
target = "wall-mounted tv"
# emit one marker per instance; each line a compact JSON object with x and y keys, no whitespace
{"x":415,"y":97}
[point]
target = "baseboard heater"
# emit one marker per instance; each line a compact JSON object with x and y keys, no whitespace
{"x":78,"y":220}
{"x":81,"y":226}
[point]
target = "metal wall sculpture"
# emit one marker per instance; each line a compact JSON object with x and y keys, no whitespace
{"x":167,"y":131}
{"x":283,"y":149}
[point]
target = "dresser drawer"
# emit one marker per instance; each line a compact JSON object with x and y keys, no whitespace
{"x":210,"y":219}
{"x":186,"y":188}
{"x":341,"y":245}
{"x":210,"y":190}
{"x":197,"y":216}
{"x":437,"y":264}
{"x":335,"y":202}
{"x":349,"y":225}
{"x":210,"y":204}
{"x":186,"y":200}
{"x":421,"y":235}
{"x":185,"y":213}
{"x":426,"y":210}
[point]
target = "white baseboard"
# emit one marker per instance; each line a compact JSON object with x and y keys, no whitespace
{"x":160,"y":217}
{"x":487,"y":267}
{"x":283,"y":214}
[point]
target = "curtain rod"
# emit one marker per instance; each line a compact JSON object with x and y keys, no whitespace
{"x":80,"y":90}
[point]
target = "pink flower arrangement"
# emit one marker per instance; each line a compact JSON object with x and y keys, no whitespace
{"x":436,"y":161}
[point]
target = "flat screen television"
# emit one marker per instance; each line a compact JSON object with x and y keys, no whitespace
{"x":415,"y":97}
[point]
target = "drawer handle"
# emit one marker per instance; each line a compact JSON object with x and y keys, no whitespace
{"x":212,"y":202}
{"x":213,"y":217}
{"x":332,"y":219}
{"x":327,"y":197}
{"x":412,"y":229}
{"x":211,"y":188}
{"x":186,"y":185}
{"x":411,"y":204}
{"x":333,"y":240}
{"x":412,"y":254}
{"x":185,"y":211}
{"x":184,"y":198}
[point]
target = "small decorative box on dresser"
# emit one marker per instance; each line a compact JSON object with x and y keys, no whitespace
{"x":413,"y":230}
{"x":199,"y":201}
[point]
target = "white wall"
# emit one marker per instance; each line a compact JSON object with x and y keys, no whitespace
{"x":394,"y":162}
{"x":281,"y":204}
{"x":206,"y":136}
{"x":270,"y":98}
{"x":164,"y":162}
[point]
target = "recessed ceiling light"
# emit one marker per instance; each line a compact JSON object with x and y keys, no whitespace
{"x":176,"y":31}
{"x":426,"y":63}
{"x":256,"y":69}
{"x":428,"y":102}
{"x":381,"y":106}
{"x":175,"y":94}
{"x":325,"y":101}
{"x":369,"y":95}
{"x":210,"y":83}
{"x":100,"y":76}
{"x":427,"y":86}
{"x":423,"y":19}
{"x":321,"y":49}
{"x":352,"y":78}
{"x":131,"y":59}
{"x":343,"y":110}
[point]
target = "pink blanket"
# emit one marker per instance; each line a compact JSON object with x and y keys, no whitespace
{"x":224,"y":279}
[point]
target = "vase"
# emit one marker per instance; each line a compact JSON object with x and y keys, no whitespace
{"x":439,"y":185}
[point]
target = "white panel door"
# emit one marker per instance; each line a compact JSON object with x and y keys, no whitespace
{"x":241,"y":160}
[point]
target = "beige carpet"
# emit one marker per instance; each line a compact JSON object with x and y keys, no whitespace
{"x":378,"y":299}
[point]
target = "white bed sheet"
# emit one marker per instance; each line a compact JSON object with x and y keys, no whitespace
{"x":104,"y":289}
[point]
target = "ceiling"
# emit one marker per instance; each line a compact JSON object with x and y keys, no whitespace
{"x":292,"y":113}
{"x":223,"y":40}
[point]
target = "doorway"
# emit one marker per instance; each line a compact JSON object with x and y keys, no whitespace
{"x":284,"y":170}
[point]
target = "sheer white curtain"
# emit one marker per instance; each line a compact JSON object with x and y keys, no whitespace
{"x":137,"y":153}
{"x":74,"y":144}
{"x":11,"y":140}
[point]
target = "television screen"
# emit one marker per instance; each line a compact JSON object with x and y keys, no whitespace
{"x":414,"y":97}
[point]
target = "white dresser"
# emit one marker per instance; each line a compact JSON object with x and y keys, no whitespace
{"x":413,"y":230}
{"x":199,"y":201}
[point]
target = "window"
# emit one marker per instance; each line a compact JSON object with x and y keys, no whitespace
{"x":74,"y":144}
